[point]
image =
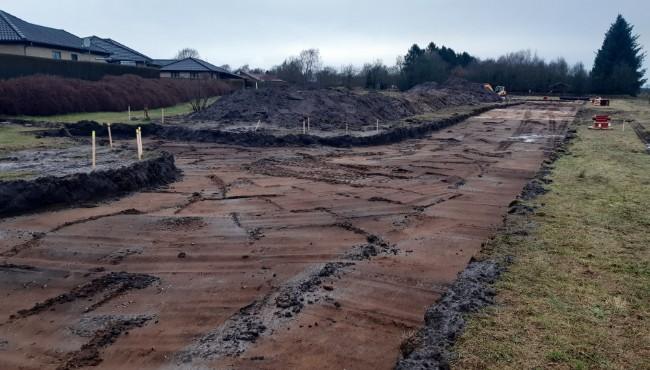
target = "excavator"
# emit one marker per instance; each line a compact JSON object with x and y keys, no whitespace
{"x":500,"y":90}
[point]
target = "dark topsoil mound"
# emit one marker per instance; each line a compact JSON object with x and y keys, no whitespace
{"x":21,"y":196}
{"x":332,"y":108}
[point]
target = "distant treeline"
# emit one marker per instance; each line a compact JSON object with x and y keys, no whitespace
{"x":617,"y":69}
{"x":49,"y":95}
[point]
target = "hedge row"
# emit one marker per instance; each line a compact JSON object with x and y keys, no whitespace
{"x":18,"y":66}
{"x":48,"y":95}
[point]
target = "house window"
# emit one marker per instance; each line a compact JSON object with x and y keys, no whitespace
{"x":74,"y":57}
{"x":56,"y":55}
{"x":194,"y":75}
{"x":176,"y":75}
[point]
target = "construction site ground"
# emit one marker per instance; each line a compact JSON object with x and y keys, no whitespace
{"x":272,"y":258}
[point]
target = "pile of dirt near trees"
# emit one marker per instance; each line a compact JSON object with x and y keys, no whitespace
{"x":47,"y":95}
{"x":332,"y":108}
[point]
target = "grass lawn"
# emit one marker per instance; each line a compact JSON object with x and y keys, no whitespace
{"x":17,"y":137}
{"x":118,"y":117}
{"x":578,"y":293}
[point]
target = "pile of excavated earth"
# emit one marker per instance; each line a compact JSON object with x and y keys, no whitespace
{"x":333,"y":108}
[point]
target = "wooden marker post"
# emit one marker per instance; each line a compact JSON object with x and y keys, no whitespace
{"x":129,"y":107}
{"x":110,"y":137}
{"x":163,"y":116}
{"x":377,"y":126}
{"x":94,"y":155}
{"x":308,"y":125}
{"x":304,"y":128}
{"x":137,"y":142}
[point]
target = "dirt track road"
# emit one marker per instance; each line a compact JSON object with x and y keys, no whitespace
{"x":269,"y":258}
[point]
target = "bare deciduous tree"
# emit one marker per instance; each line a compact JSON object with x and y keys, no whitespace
{"x":199,"y":99}
{"x":347,"y":75}
{"x":311,"y":63}
{"x":187,"y":53}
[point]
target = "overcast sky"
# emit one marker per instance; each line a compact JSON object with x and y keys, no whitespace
{"x":262,"y":33}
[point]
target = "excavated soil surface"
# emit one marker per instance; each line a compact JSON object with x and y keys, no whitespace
{"x":278,"y":258}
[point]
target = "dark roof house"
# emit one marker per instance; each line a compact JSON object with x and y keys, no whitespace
{"x":260,"y":77}
{"x":163,"y":62}
{"x":23,"y":38}
{"x":195,"y":68}
{"x":119,"y":53}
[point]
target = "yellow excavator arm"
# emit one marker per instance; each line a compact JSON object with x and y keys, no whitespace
{"x":500,"y":90}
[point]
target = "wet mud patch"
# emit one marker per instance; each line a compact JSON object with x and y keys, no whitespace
{"x":385,"y":200}
{"x":116,"y":257}
{"x":63,"y":162}
{"x":90,"y":353}
{"x":103,"y":289}
{"x":180,"y":224}
{"x":15,"y":267}
{"x":88,"y":326}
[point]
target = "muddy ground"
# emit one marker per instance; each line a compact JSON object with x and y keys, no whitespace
{"x":270,"y":258}
{"x":30,"y":164}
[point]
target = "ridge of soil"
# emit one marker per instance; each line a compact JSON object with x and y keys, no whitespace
{"x":89,"y":353}
{"x":110,"y":286}
{"x":261,"y":139}
{"x":21,"y":196}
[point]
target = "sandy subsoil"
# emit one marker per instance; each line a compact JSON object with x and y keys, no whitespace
{"x":268,"y":258}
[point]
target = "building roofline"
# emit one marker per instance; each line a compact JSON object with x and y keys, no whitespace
{"x":3,"y":14}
